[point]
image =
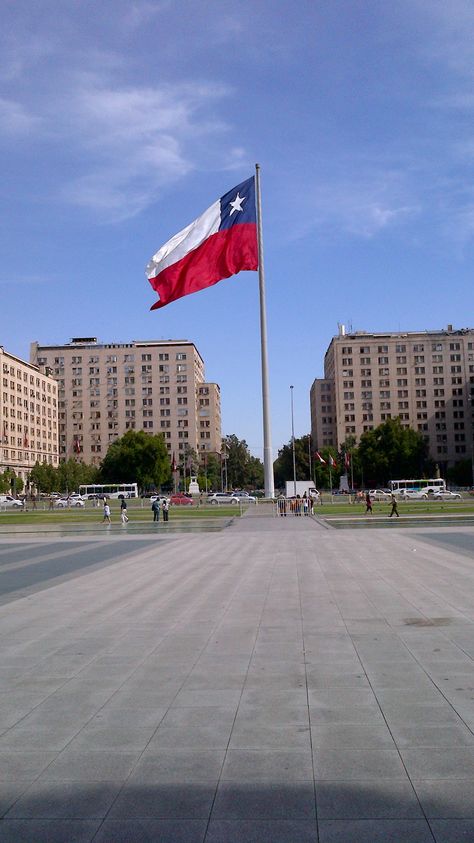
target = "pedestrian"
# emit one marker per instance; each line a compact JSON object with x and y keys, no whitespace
{"x":305,"y":505}
{"x":368,"y":504}
{"x":166,"y":510}
{"x":156,"y":509}
{"x":281,"y":503}
{"x":123,"y":511}
{"x":106,"y":518}
{"x":394,"y":511}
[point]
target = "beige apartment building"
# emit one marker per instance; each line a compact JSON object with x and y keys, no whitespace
{"x":28,"y":416}
{"x":105,"y":389}
{"x":425,"y":378}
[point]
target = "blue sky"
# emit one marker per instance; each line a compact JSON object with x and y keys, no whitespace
{"x":120,"y":122}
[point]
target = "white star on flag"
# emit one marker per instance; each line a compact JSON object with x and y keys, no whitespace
{"x":236,"y":205}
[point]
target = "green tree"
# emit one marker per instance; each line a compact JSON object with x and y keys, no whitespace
{"x":461,"y":473}
{"x":210,"y":469}
{"x":44,"y":477}
{"x":242,"y":468}
{"x":391,"y":452}
{"x":139,"y":457}
{"x":283,"y":465}
{"x":71,"y":474}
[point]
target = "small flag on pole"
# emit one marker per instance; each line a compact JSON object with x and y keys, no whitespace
{"x":320,"y":458}
{"x":173,"y":463}
{"x":220,"y":243}
{"x":332,"y":461}
{"x":347,"y":459}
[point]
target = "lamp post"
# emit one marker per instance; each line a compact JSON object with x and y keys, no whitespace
{"x":293,"y":442}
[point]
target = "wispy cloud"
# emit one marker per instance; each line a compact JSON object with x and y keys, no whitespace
{"x":135,"y":140}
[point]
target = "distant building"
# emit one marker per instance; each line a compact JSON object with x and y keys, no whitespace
{"x":105,"y":389}
{"x":424,"y":378}
{"x":28,"y":416}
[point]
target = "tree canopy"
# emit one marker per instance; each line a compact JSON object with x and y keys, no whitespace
{"x":243,"y":470}
{"x":392,"y":451}
{"x":283,"y":465}
{"x":139,"y":457}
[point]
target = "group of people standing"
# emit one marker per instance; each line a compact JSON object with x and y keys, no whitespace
{"x":164,"y":506}
{"x":295,"y":506}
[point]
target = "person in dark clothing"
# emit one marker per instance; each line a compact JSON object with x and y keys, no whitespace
{"x":156,"y":510}
{"x":368,"y":504}
{"x":166,"y":510}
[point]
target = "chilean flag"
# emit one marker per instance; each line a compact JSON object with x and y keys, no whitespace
{"x":220,"y":243}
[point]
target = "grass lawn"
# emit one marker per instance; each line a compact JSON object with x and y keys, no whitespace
{"x":93,"y":515}
{"x":463,"y":507}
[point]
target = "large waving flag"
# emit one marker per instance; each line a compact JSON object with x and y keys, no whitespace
{"x":220,"y":243}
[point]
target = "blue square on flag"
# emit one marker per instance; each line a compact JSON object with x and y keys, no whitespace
{"x":238,"y":205}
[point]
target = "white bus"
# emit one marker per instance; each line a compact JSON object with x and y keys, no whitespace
{"x":109,"y":490}
{"x":436,"y":484}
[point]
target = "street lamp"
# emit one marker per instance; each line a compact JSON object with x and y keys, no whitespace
{"x":293,"y":441}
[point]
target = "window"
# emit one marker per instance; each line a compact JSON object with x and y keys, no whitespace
{"x":400,"y":349}
{"x":382,"y":349}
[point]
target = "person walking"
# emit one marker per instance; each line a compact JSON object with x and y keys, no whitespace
{"x":394,"y":510}
{"x":166,"y":510}
{"x":368,"y":504}
{"x":156,"y":510}
{"x":123,"y":511}
{"x":106,"y":518}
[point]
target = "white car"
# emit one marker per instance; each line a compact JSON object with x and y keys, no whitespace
{"x":244,"y":497}
{"x":222,"y":497}
{"x":379,"y":495}
{"x":446,"y":495}
{"x":160,"y":498}
{"x":413,"y":495}
{"x":9,"y":502}
{"x":62,"y":503}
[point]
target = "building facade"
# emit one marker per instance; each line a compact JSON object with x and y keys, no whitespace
{"x":424,"y":378}
{"x":28,"y":417}
{"x":105,"y":389}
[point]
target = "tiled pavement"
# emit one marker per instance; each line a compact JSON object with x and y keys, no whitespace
{"x":277,"y":682}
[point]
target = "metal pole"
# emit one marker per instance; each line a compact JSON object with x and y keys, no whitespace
{"x":293,"y":442}
{"x":267,"y":439}
{"x":309,"y":455}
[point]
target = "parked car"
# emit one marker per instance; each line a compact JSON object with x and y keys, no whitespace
{"x":9,"y":502}
{"x":62,"y":503}
{"x":413,"y":495}
{"x":379,"y":495}
{"x":244,"y":497}
{"x":160,"y":498}
{"x":446,"y":495}
{"x":222,"y":497}
{"x":181,"y":499}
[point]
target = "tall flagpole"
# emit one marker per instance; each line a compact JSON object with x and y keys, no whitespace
{"x":267,"y":439}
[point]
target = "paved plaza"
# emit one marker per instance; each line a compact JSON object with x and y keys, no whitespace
{"x":279,"y":681}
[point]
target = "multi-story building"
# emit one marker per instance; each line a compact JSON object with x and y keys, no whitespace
{"x":425,"y":378}
{"x":28,"y":416}
{"x":105,"y":389}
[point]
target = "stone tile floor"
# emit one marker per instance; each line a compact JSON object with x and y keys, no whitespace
{"x":277,"y":681}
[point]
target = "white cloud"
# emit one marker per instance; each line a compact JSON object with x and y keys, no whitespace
{"x":361,"y":206}
{"x":135,"y":140}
